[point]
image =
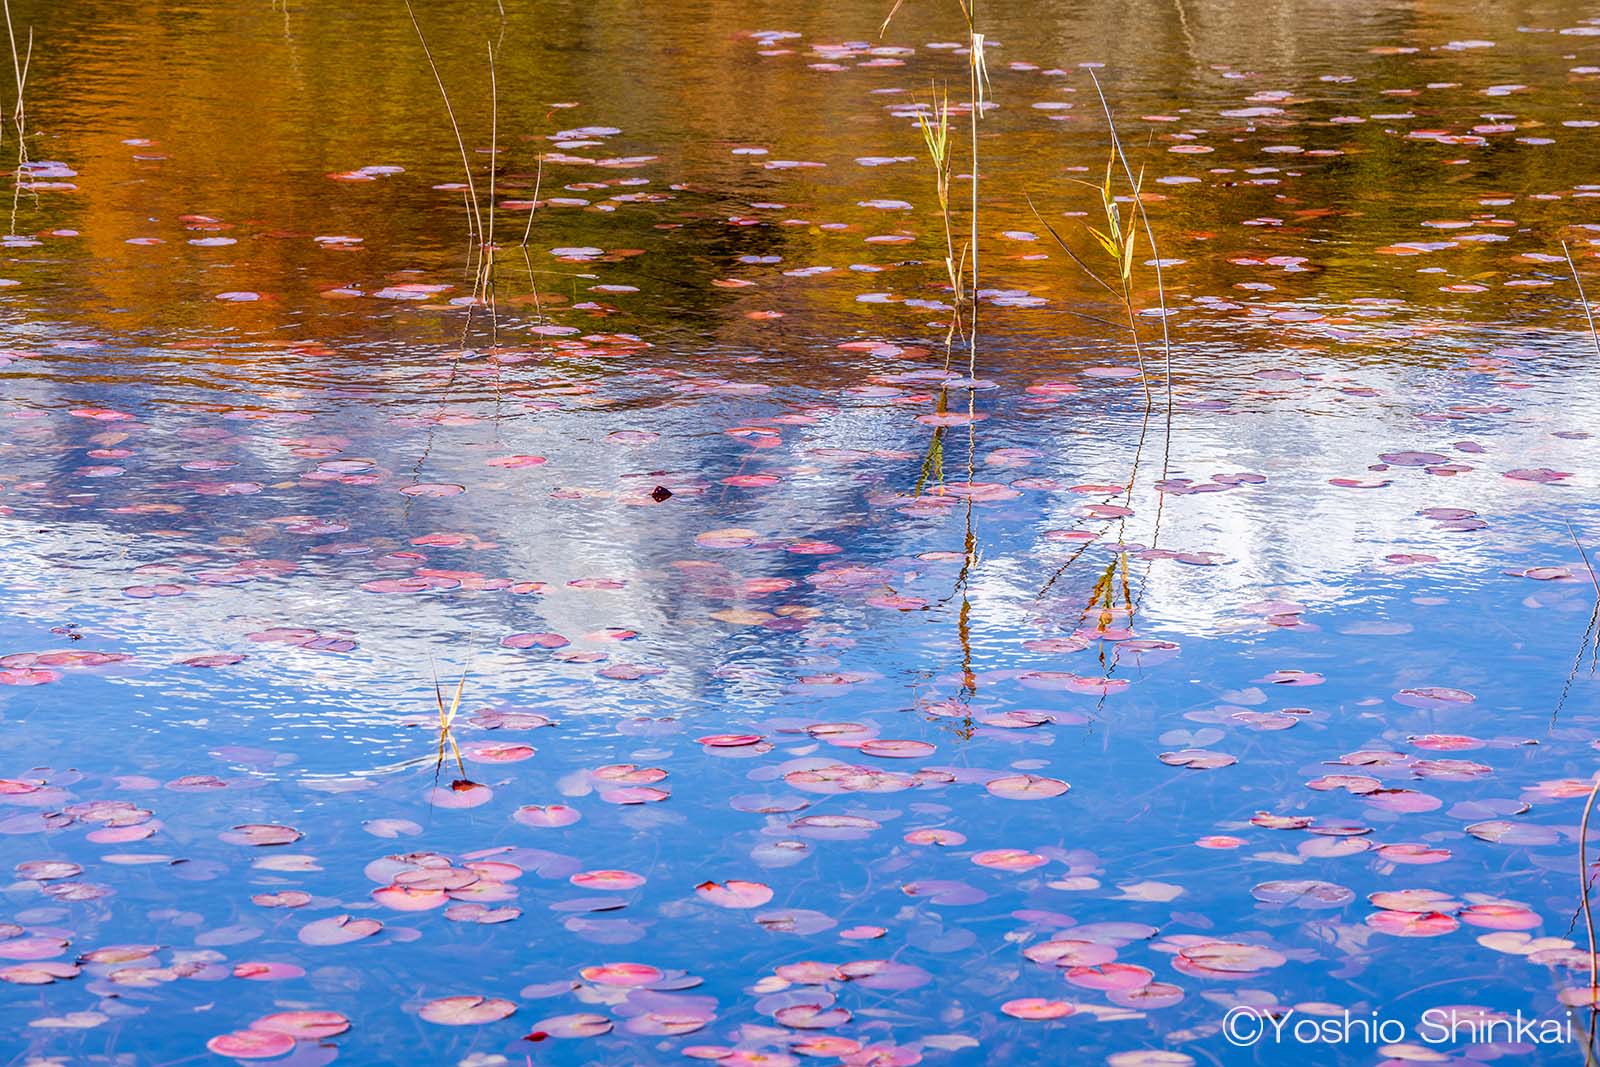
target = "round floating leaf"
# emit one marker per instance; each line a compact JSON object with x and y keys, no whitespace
{"x":811,"y":1016}
{"x":886,"y":749}
{"x":1037,"y":1008}
{"x":1108,"y":976}
{"x":570,"y":1026}
{"x":338,"y":930}
{"x":466,"y":1011}
{"x":1412,"y":924}
{"x":1026,"y":787}
{"x":267,"y":972}
{"x":1303,"y":894}
{"x":251,"y":1044}
{"x":303,"y":1025}
{"x":41,"y":973}
{"x":554,"y":815}
{"x":734,"y":893}
{"x":1009,"y":859}
{"x":607,"y":880}
{"x":1500,"y":916}
{"x":1417,"y":900}
{"x":622,"y":974}
{"x":261,"y":834}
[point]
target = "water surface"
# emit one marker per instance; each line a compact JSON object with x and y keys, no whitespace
{"x":780,"y":742}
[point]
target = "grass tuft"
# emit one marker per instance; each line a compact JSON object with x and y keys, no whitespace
{"x":447,"y":721}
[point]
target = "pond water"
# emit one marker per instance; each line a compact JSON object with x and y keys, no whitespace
{"x":812,"y":694}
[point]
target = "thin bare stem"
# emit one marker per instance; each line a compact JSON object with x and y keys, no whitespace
{"x":455,"y":127}
{"x":1586,"y":878}
{"x":889,"y":17}
{"x":976,"y":77}
{"x":494,"y":137}
{"x":538,"y":182}
{"x":1594,"y":336}
{"x":1591,"y":634}
{"x":1062,"y":244}
{"x":527,"y":232}
{"x":19,"y":113}
{"x":1594,"y":580}
{"x":494,"y":154}
{"x":1155,"y":253}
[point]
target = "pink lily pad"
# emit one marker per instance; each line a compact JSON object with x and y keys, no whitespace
{"x":1026,"y":787}
{"x":626,"y":975}
{"x":570,"y":1026}
{"x":734,"y":893}
{"x":1037,"y":1008}
{"x":338,"y":930}
{"x":251,"y":1044}
{"x":553,"y":815}
{"x":811,"y":1016}
{"x":267,"y":972}
{"x":303,"y":1025}
{"x":613,"y":881}
{"x":1412,"y":924}
{"x":261,"y":835}
{"x":466,"y":1011}
{"x":1108,"y":976}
